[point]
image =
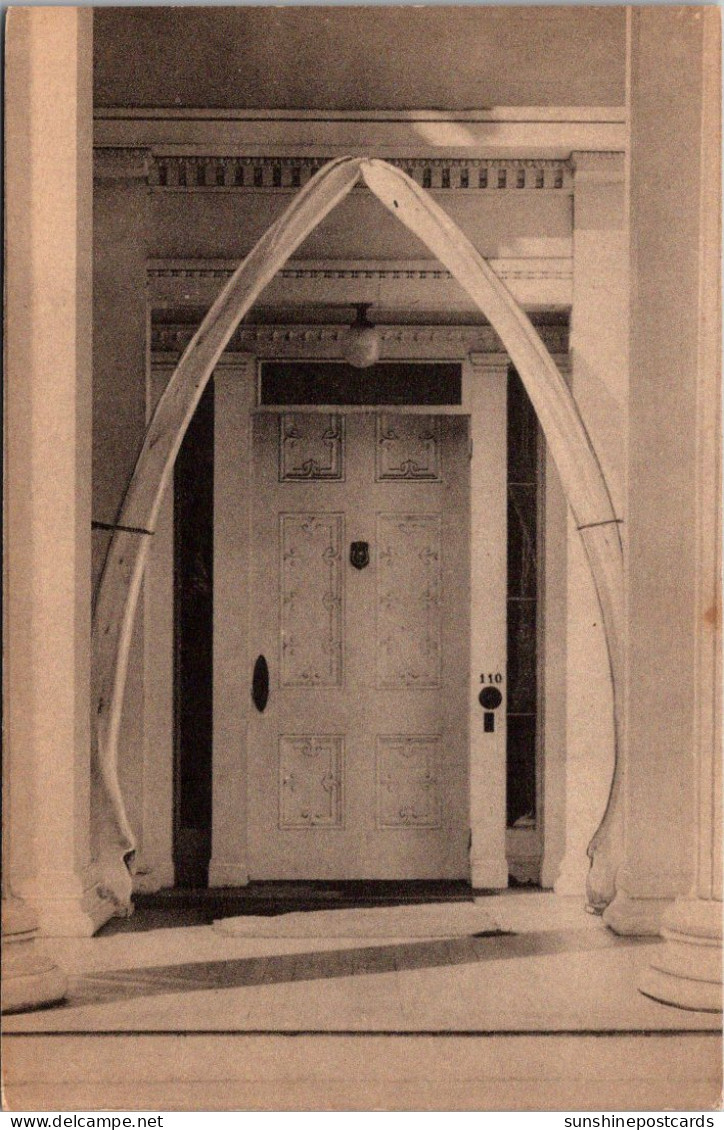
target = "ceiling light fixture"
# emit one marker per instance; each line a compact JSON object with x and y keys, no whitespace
{"x":361,"y":344}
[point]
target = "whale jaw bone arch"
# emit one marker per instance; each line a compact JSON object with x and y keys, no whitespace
{"x":571,"y":449}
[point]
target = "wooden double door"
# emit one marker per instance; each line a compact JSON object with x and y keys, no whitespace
{"x":358,"y":754}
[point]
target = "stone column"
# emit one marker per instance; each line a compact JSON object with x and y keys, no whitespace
{"x":599,"y":381}
{"x":234,"y":399}
{"x":553,"y":770}
{"x":687,"y":970}
{"x":48,"y":389}
{"x":673,"y":429}
{"x":154,"y":866}
{"x":121,"y":383}
{"x":485,"y":393}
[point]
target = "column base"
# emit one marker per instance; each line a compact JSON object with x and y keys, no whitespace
{"x":75,"y":918}
{"x":571,"y":881}
{"x":489,"y":874}
{"x":30,"y":979}
{"x":228,"y":874}
{"x":635,"y":917}
{"x":550,"y":871}
{"x":687,"y":970}
{"x":69,"y":906}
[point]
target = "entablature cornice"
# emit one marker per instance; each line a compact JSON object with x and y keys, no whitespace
{"x":538,"y":280}
{"x":511,"y":131}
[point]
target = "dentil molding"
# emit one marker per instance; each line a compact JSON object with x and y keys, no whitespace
{"x":537,"y":280}
{"x":325,"y":341}
{"x":560,"y":268}
{"x":205,"y":172}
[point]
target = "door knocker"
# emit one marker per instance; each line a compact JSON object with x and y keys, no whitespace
{"x":359,"y":554}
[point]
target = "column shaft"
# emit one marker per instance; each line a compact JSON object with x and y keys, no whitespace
{"x":599,"y":381}
{"x":667,"y":375}
{"x":687,"y":970}
{"x":48,"y":353}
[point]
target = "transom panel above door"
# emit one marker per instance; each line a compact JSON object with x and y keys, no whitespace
{"x":358,"y":763}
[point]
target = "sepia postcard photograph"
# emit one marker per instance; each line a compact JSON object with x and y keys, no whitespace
{"x":362,"y":559}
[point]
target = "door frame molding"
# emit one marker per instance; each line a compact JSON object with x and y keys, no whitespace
{"x":541,"y":849}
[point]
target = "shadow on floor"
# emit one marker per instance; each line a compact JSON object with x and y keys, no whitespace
{"x":274,"y":969}
{"x":174,"y":907}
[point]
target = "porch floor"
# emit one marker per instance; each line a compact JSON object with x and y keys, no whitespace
{"x":199,"y":907}
{"x":544,"y":1013}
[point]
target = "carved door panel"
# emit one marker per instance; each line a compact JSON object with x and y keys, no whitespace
{"x":358,"y":764}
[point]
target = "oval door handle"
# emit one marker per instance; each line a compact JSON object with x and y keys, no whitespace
{"x":260,"y":684}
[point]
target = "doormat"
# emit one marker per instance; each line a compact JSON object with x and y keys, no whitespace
{"x":437,"y":920}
